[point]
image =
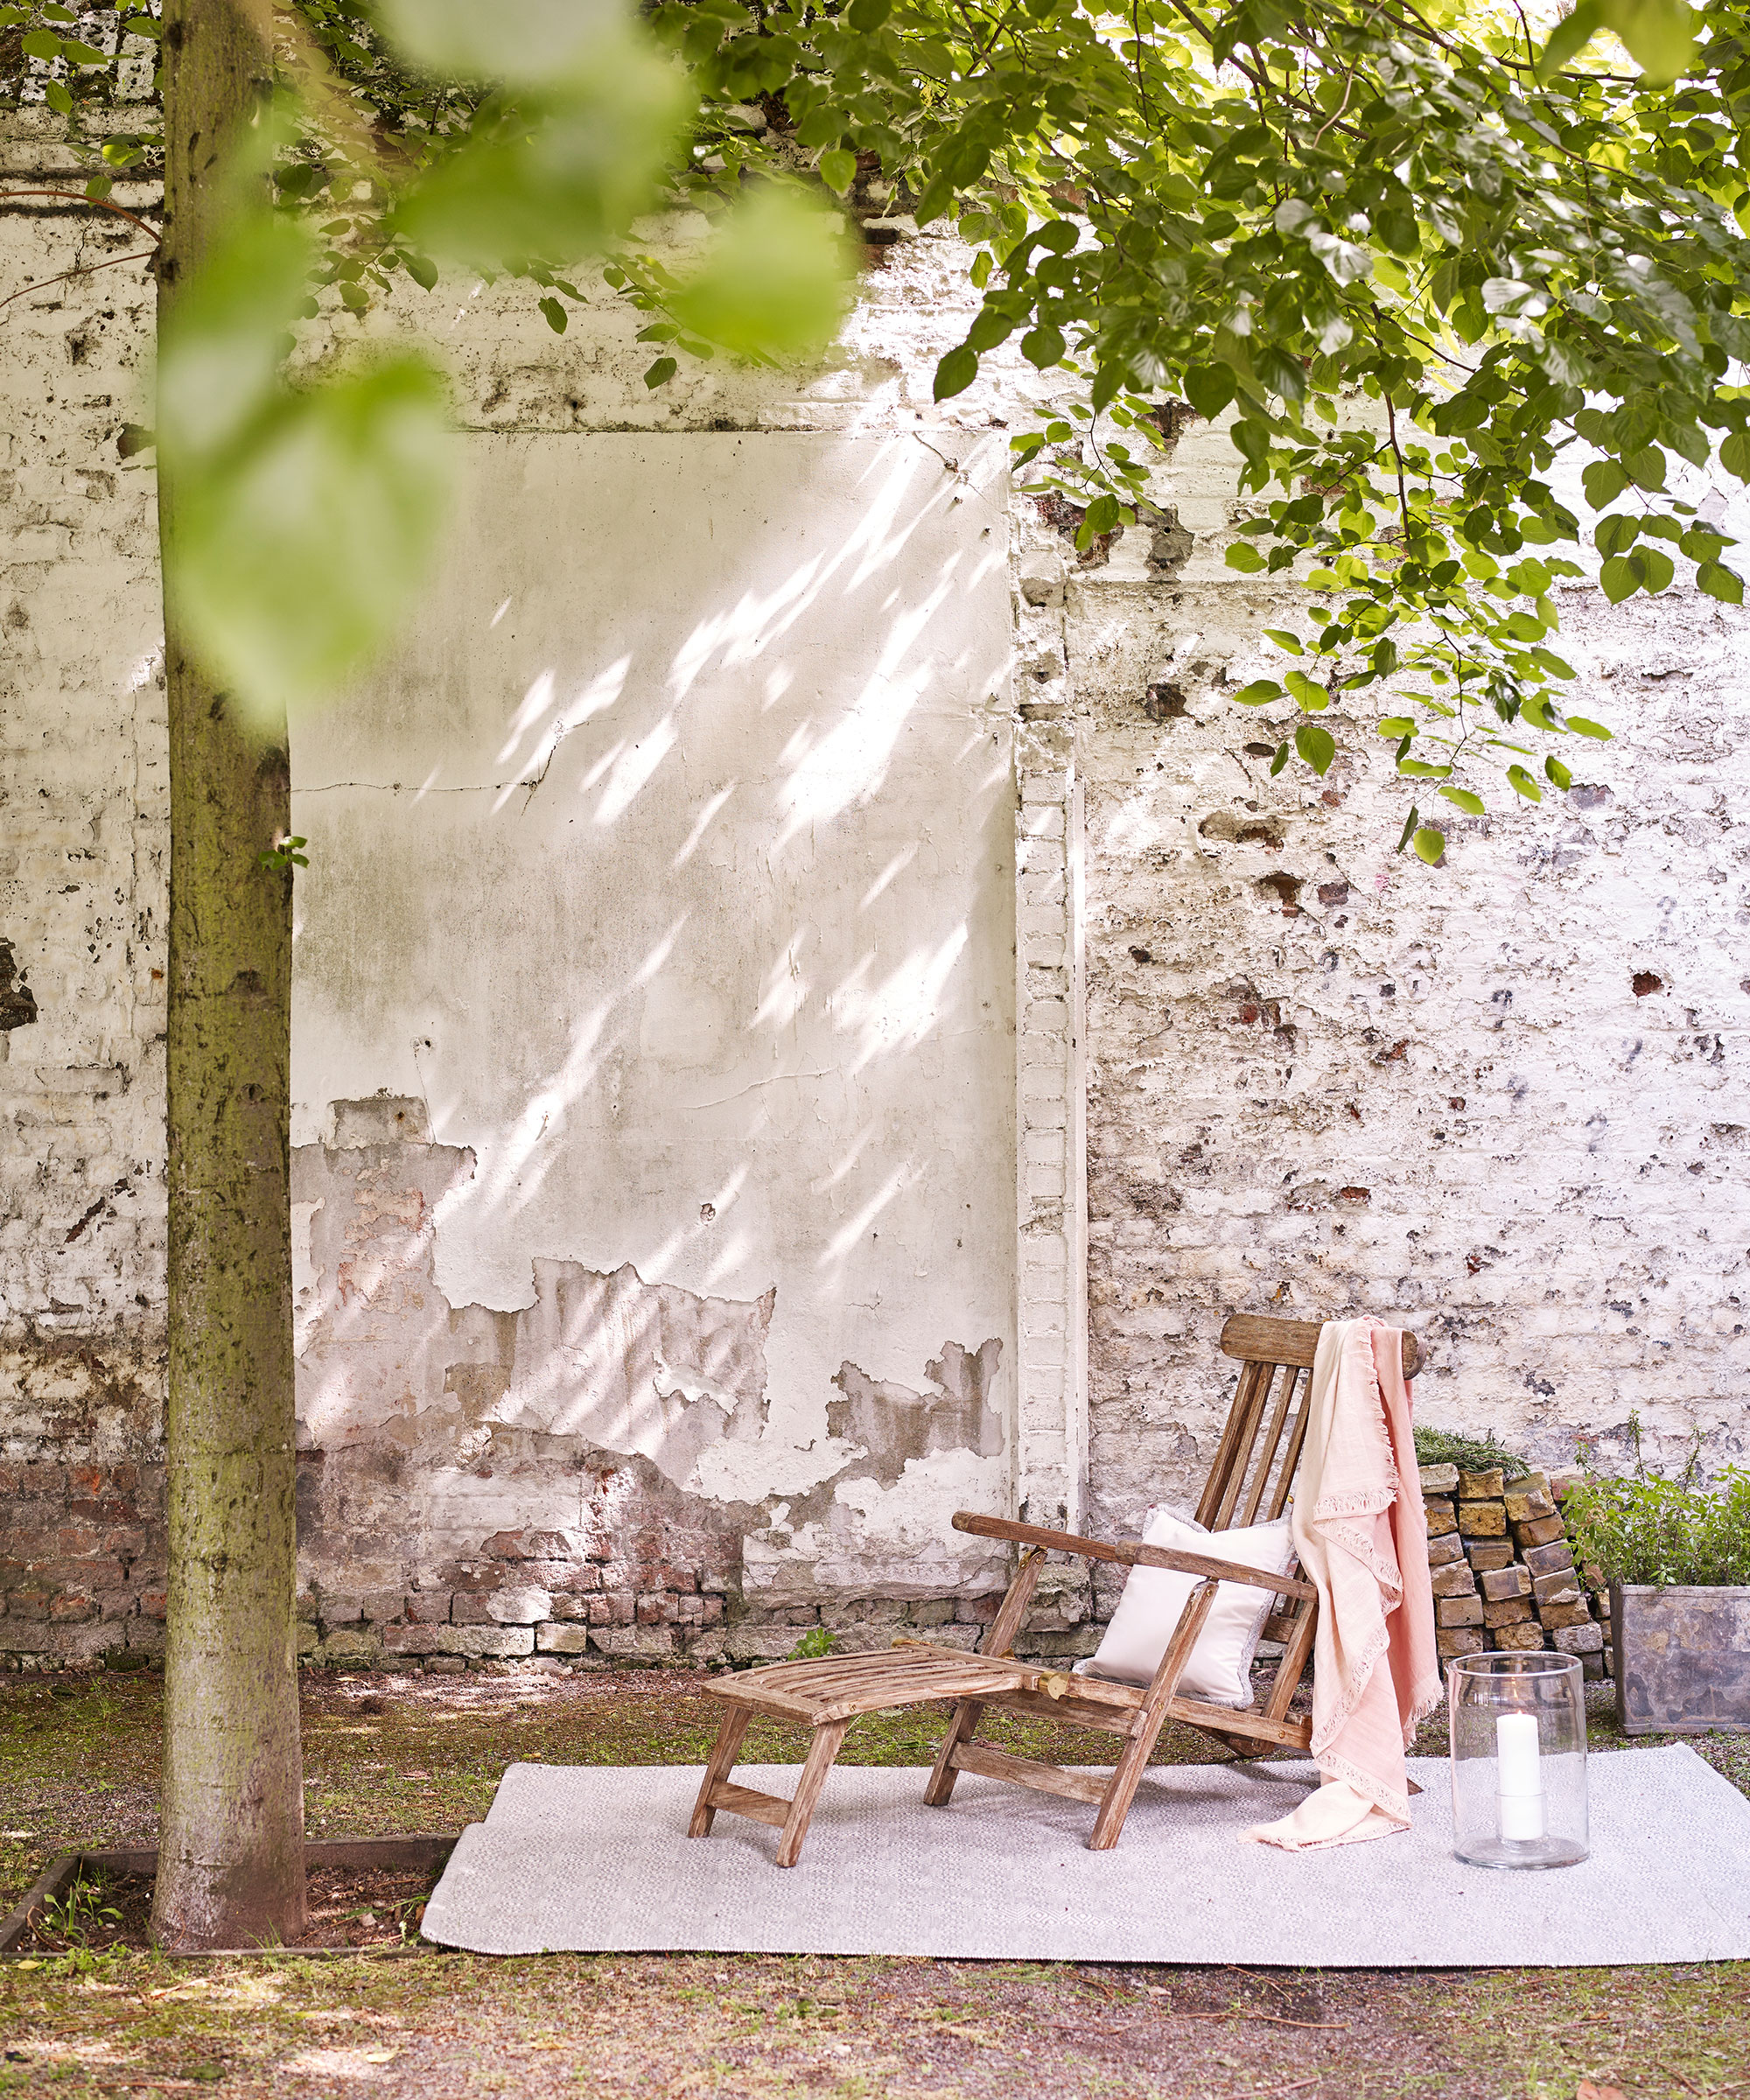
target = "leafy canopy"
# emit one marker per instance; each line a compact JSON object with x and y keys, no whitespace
{"x":1410,"y":256}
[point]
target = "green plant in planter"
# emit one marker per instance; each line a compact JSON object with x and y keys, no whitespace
{"x":1644,"y":1528}
{"x":1469,"y":1454}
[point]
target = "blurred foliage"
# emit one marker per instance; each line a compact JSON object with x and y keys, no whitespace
{"x":1407,"y":255}
{"x":1647,"y":1528}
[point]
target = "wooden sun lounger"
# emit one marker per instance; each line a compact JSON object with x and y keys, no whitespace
{"x":1251,"y":1476}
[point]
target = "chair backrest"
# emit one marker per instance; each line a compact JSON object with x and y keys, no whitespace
{"x":1266,"y":1426}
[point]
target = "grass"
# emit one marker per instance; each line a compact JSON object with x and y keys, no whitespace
{"x":78,"y":1764}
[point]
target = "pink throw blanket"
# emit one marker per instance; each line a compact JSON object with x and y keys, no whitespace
{"x":1363,"y":1544}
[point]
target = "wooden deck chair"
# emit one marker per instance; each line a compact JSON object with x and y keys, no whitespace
{"x":1250,"y":1479}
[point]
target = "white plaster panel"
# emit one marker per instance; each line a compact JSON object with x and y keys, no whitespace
{"x":670,"y":864}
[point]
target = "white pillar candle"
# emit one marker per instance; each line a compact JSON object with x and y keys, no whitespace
{"x":1519,"y":1779}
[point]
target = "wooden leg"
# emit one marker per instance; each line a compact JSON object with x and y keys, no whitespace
{"x":1145,"y":1729}
{"x":1295,"y":1651}
{"x":997,"y":1641}
{"x":940,"y":1787}
{"x":719,"y":1767}
{"x":816,"y":1765}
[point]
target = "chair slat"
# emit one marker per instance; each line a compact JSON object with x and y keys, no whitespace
{"x":1245,"y":1395}
{"x":1269,"y":1447}
{"x":1244,"y":1443}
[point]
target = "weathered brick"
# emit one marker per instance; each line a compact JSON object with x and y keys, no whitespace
{"x":1564,"y":1614}
{"x":1540,"y":1532}
{"x":1481,"y":1487}
{"x":1458,"y":1610}
{"x":1445,"y":1550}
{"x":1485,"y":1553}
{"x":1458,"y":1641}
{"x":1498,"y":1583}
{"x":1440,"y":1519}
{"x":1505,"y":1611}
{"x":1543,"y":1560}
{"x":517,"y":1607}
{"x":1482,"y":1520}
{"x":1454,"y":1579}
{"x":1578,"y":1640}
{"x":1528,"y":1635}
{"x":1440,"y":1480}
{"x":558,"y":1639}
{"x":426,"y":1608}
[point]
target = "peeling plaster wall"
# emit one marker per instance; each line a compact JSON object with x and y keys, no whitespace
{"x":683,"y":921}
{"x":550,"y":1407}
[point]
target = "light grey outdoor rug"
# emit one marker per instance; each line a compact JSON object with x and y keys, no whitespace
{"x":597,"y":1858}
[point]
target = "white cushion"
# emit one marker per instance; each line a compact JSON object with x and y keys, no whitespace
{"x":1220,"y":1668}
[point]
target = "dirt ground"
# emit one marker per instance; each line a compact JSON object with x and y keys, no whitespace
{"x":85,"y":2015}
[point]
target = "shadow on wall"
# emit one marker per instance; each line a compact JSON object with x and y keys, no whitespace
{"x":693,"y":947}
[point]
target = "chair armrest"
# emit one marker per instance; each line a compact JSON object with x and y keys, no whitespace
{"x":1129,"y":1552}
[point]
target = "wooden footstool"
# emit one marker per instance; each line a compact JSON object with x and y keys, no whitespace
{"x":827,"y":1696}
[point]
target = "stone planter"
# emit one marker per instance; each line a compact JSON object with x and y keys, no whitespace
{"x":1683,"y":1657}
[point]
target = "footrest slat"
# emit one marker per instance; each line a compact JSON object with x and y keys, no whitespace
{"x":750,"y":1801}
{"x":1026,"y":1772}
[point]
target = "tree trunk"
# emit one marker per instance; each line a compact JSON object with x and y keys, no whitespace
{"x":231,"y":1851}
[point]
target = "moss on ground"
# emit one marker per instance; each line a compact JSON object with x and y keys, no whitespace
{"x":78,"y":1765}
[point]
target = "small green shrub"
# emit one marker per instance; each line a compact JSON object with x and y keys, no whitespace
{"x":1469,"y":1454}
{"x":815,"y":1643}
{"x":1644,"y":1528}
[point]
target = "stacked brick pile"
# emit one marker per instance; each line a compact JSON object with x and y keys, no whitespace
{"x":1504,"y":1574}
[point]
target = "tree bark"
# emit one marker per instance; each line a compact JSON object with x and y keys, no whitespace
{"x":231,"y":1848}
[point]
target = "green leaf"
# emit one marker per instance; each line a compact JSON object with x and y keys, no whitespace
{"x":838,"y":170}
{"x":1659,"y":568}
{"x":1312,"y":695}
{"x":1279,"y":758}
{"x":1615,"y":535}
{"x":297,"y":550}
{"x":1604,"y":481}
{"x":1284,"y":639}
{"x":1472,"y":804}
{"x":1734,"y":454}
{"x":1721,"y":583}
{"x":1318,"y":746}
{"x":555,"y":315}
{"x":1581,"y":727}
{"x":221,"y":341}
{"x":659,"y":373}
{"x":1210,"y":387}
{"x":1042,"y":346}
{"x":422,"y":269}
{"x":1660,"y":35}
{"x":40,"y":43}
{"x":1259,"y":693}
{"x":775,"y":282}
{"x":1247,"y":559}
{"x":1620,"y":576}
{"x":593,"y":132}
{"x":1559,"y":774}
{"x":1420,"y":770}
{"x":1394,"y":726}
{"x":56,"y":96}
{"x":1522,"y":783}
{"x":956,"y":373}
{"x":1430,"y":845}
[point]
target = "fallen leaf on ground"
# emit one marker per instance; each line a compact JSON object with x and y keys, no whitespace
{"x":1589,"y":2092}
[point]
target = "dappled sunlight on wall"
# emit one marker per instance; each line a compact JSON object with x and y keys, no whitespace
{"x":670,"y":870}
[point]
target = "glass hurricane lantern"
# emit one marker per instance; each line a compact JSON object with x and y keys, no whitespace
{"x":1519,"y":1751}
